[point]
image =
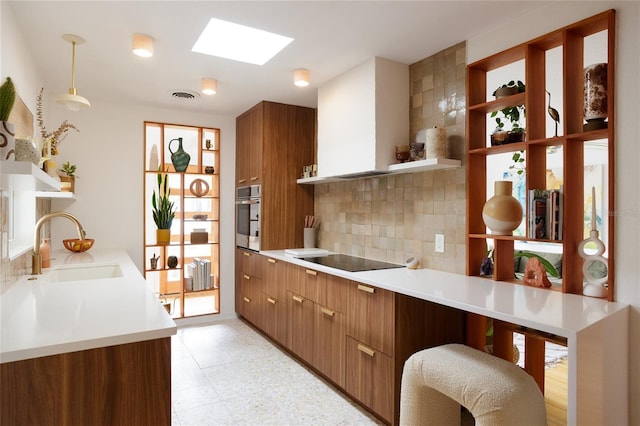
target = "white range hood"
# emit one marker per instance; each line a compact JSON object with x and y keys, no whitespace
{"x":362,"y":115}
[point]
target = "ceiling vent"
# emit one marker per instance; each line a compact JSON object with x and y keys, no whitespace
{"x":185,"y":95}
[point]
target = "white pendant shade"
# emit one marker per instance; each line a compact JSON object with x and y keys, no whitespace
{"x":72,"y":100}
{"x":142,"y":45}
{"x":301,"y":77}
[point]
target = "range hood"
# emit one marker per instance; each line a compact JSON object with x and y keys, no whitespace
{"x":362,"y":115}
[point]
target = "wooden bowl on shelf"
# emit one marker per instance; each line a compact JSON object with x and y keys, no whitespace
{"x":78,"y":246}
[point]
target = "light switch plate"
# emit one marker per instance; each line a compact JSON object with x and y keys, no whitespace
{"x":439,"y":243}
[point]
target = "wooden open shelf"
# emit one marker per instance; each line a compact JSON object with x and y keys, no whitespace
{"x":572,"y":40}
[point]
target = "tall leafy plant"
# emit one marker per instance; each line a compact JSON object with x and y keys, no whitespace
{"x":163,"y":209}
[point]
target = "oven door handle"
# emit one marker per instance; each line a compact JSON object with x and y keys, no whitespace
{"x":247,"y":202}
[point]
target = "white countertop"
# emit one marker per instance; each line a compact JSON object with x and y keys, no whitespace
{"x":41,"y":318}
{"x":553,"y":312}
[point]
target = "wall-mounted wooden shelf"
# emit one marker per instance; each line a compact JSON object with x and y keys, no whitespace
{"x":394,"y":169}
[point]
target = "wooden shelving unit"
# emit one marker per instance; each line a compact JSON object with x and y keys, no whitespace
{"x":571,"y":140}
{"x":195,"y":210}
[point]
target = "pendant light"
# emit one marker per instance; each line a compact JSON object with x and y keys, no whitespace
{"x":72,"y":100}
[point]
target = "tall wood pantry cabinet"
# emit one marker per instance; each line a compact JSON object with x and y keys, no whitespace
{"x":555,"y":60}
{"x":273,"y":142}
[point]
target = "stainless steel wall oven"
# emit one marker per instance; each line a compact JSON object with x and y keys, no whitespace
{"x":248,"y":212}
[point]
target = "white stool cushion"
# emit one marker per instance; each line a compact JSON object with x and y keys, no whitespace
{"x":436,"y":381}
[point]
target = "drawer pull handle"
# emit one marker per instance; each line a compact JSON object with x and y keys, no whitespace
{"x":366,"y":288}
{"x":366,"y":350}
{"x":254,"y":178}
{"x":271,"y":300}
{"x":328,"y":312}
{"x":298,"y":299}
{"x":246,"y":299}
{"x":271,"y":260}
{"x":246,"y":277}
{"x":310,"y":272}
{"x":246,"y":254}
{"x":242,"y":181}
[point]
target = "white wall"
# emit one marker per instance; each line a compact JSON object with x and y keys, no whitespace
{"x":109,"y":152}
{"x":627,"y":250}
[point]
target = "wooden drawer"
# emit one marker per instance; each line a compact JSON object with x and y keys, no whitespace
{"x":329,"y":335}
{"x":251,"y":263}
{"x":306,"y":282}
{"x":371,"y":316}
{"x":369,"y":377}
{"x":251,"y":299}
{"x":333,"y":293}
{"x":300,"y":326}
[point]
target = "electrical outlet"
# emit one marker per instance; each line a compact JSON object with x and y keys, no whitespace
{"x":439,"y":243}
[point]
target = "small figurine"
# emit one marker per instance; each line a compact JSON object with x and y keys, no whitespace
{"x":535,"y":275}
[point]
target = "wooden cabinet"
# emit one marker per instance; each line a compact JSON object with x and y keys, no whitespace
{"x":121,"y":384}
{"x":249,"y":142}
{"x":356,"y":335}
{"x":369,"y":377}
{"x":195,"y":231}
{"x":370,"y":319}
{"x":330,"y":328}
{"x":275,"y":293}
{"x":251,"y":299}
{"x":273,"y":142}
{"x":555,"y":60}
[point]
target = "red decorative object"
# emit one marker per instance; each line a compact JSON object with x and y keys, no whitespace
{"x":535,"y":274}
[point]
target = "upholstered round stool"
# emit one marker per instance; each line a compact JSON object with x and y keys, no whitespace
{"x":436,"y":381}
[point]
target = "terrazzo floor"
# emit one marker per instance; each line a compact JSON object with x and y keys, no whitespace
{"x":228,"y":374}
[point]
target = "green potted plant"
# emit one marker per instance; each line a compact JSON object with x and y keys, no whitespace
{"x":68,"y":178}
{"x":511,"y":114}
{"x":163,"y":210}
{"x":502,"y":136}
{"x":511,"y":88}
{"x":7,"y":130}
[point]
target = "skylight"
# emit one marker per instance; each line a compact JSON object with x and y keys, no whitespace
{"x":239,"y":42}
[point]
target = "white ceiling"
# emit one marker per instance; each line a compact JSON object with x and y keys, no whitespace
{"x":330,"y":38}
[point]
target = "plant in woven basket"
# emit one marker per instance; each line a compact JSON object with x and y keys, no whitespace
{"x":163,"y":209}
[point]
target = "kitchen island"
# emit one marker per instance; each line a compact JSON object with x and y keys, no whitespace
{"x":86,"y":342}
{"x":595,"y":330}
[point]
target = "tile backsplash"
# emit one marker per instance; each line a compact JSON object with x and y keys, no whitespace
{"x":11,"y":270}
{"x":395,"y":217}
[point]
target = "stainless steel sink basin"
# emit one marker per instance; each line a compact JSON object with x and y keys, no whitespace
{"x":82,"y":273}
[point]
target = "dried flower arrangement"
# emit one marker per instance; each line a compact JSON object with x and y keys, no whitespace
{"x":57,"y":136}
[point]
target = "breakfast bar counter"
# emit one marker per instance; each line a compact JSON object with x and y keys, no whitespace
{"x":596,"y":330}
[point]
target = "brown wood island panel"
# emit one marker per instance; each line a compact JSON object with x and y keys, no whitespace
{"x":126,"y":384}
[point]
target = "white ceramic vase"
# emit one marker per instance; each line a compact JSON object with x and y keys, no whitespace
{"x":502,"y":213}
{"x":27,"y":150}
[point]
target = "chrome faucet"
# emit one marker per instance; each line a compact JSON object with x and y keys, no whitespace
{"x":36,"y":259}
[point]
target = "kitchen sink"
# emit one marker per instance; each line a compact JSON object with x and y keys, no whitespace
{"x":88,"y":272}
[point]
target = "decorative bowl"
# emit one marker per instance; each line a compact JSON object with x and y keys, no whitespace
{"x":78,"y":246}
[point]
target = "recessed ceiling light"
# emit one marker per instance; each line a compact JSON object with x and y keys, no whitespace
{"x":239,"y":42}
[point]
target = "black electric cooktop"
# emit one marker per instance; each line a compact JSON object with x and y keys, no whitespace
{"x":351,"y":263}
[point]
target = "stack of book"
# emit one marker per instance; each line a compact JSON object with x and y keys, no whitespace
{"x":200,"y":272}
{"x":545,"y":214}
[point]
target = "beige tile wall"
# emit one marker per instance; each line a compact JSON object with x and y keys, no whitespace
{"x":395,"y":217}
